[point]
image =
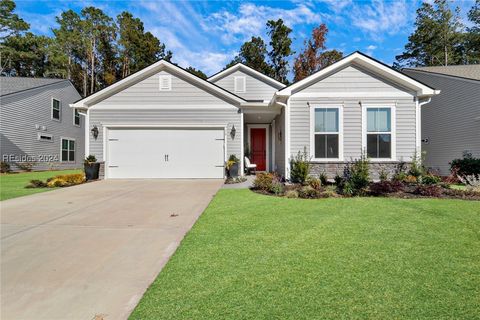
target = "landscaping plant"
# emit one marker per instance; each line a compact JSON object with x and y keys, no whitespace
{"x":263,"y":181}
{"x":300,"y":167}
{"x":357,"y":177}
{"x":5,"y":167}
{"x":466,"y":167}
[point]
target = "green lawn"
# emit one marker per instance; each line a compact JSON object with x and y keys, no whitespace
{"x":13,"y":185}
{"x":251,"y":256}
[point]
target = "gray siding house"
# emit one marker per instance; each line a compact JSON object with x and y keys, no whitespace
{"x":451,"y":121}
{"x":164,"y":122}
{"x":37,"y":126}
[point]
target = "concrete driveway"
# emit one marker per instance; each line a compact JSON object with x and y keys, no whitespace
{"x":92,"y":250}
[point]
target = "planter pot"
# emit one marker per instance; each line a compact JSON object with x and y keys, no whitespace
{"x":91,"y":170}
{"x":233,"y":171}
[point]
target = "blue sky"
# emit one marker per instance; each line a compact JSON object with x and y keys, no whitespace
{"x":207,"y":34}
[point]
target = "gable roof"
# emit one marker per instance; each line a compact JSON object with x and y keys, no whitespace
{"x":10,"y":85}
{"x":246,"y":69}
{"x":161,"y":65}
{"x":369,"y":64}
{"x":471,"y":71}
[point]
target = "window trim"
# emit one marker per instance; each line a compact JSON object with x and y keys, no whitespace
{"x":160,"y":80}
{"x":340,"y":131}
{"x":393,"y":130}
{"x":79,"y":118}
{"x":39,"y":135}
{"x":74,"y":150}
{"x":235,"y":88}
{"x":59,"y":109}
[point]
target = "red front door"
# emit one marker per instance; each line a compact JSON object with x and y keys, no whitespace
{"x":258,"y":141}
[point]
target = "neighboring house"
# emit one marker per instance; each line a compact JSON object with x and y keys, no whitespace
{"x":37,"y":126}
{"x":451,"y":122}
{"x":164,"y":122}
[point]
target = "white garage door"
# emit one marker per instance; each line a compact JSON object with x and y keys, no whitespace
{"x":165,"y":153}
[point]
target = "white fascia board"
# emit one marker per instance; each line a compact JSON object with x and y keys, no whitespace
{"x":152,"y":69}
{"x":246,"y":69}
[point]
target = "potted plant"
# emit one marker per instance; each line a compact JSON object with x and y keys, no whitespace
{"x":232,"y":166}
{"x":91,"y":167}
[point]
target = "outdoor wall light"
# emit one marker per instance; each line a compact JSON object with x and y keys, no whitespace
{"x":95,"y":132}
{"x":233,"y":132}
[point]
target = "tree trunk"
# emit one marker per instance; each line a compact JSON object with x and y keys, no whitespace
{"x":85,"y":77}
{"x":69,"y":73}
{"x":92,"y":75}
{"x":446,"y":55}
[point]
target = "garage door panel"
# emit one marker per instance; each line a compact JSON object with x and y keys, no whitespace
{"x":165,"y":153}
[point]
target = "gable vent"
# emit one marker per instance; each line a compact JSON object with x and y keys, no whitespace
{"x":240,"y":84}
{"x":165,"y":83}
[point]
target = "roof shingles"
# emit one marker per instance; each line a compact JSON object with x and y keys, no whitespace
{"x":471,"y":71}
{"x":9,"y":85}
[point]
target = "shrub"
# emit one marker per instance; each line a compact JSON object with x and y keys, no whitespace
{"x":25,"y":166}
{"x":385,"y":187}
{"x":431,"y":179}
{"x":276,"y":188}
{"x":263,"y":181}
{"x":66,"y":180}
{"x":5,"y":167}
{"x":339,"y":181}
{"x":357,"y":176}
{"x":314,"y":183}
{"x":323,"y":178}
{"x":410,"y":179}
{"x":56,"y":183}
{"x":383,"y":175}
{"x":399,"y":176}
{"x":348,"y":189}
{"x":291,"y":194}
{"x":36,"y":184}
{"x":416,"y":167}
{"x":300,"y":167}
{"x":427,"y":190}
{"x":466,"y":167}
{"x":307,"y":192}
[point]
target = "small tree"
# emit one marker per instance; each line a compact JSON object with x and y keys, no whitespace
{"x":300,"y":167}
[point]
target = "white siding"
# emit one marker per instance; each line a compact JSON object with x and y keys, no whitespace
{"x":256,"y":89}
{"x":354,"y":87}
{"x":146,"y":92}
{"x":353,"y":79}
{"x":21,"y":112}
{"x":451,"y":121}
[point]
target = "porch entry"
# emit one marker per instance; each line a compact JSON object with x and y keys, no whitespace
{"x":258,"y":143}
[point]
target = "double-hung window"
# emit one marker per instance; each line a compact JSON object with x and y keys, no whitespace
{"x":326,"y":133}
{"x":68,"y":150}
{"x":379,"y":135}
{"x":56,"y":109}
{"x":76,"y":118}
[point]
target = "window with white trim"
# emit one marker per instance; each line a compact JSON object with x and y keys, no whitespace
{"x":165,"y":83}
{"x":56,"y":109}
{"x":379,"y":132}
{"x":326,"y":133}
{"x":68,"y":150}
{"x":240,"y":84}
{"x":76,"y":118}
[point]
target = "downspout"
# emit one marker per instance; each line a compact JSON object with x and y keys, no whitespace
{"x":419,"y":125}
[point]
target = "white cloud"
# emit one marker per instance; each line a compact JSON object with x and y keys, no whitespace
{"x":370,"y":49}
{"x":251,"y":18}
{"x":380,"y":18}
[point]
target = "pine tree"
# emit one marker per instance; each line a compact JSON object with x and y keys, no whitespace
{"x":281,"y":50}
